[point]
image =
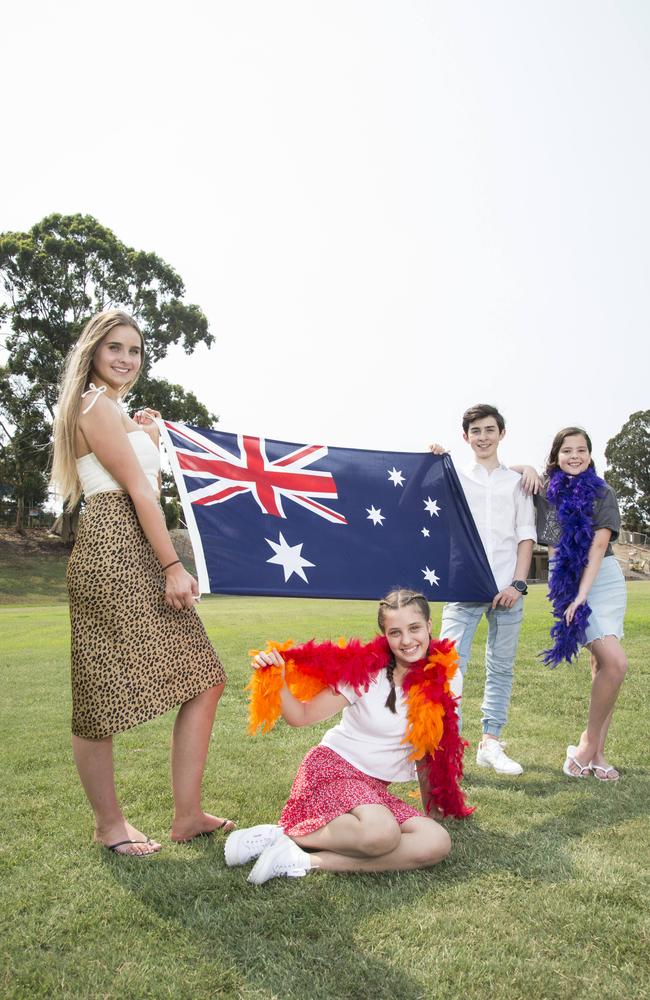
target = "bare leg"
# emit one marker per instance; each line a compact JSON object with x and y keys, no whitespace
{"x":609,"y":666}
{"x":190,"y":742}
{"x":605,"y":727}
{"x":421,"y":843}
{"x":600,"y":753}
{"x":602,"y":767}
{"x":366,"y":831}
{"x":94,"y":760}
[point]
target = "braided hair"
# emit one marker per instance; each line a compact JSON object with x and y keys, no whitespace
{"x":392,"y":694}
{"x":399,"y":598}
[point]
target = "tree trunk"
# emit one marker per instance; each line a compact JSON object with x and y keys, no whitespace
{"x":20,"y":515}
{"x":69,"y":524}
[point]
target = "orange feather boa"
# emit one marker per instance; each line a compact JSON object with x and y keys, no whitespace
{"x":432,"y":722}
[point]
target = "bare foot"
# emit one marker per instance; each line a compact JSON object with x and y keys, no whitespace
{"x":122,"y":838}
{"x":201,"y":825}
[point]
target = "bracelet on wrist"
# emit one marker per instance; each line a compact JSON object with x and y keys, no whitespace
{"x":173,"y":563}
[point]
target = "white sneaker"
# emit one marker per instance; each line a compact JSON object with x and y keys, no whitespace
{"x":245,"y":845}
{"x":284,"y":857}
{"x":490,"y":754}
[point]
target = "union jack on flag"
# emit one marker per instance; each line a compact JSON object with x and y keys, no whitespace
{"x":268,"y":517}
{"x":250,"y":470}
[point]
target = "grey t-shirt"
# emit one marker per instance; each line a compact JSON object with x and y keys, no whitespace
{"x":605,"y":515}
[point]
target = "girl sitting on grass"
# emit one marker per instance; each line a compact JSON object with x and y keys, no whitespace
{"x":578,"y":518}
{"x":394,"y":693}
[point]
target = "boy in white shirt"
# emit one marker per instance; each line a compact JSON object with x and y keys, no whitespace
{"x":505,"y":520}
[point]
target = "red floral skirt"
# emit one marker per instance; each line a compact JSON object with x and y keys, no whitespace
{"x":327,"y":786}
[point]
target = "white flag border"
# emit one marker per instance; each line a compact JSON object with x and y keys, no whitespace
{"x":188,"y":510}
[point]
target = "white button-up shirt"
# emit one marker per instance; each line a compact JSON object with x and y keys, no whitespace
{"x":503,"y":514}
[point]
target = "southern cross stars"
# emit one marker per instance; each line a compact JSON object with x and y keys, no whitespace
{"x":289,"y":557}
{"x":396,"y":477}
{"x":430,"y":575}
{"x":375,"y":515}
{"x":425,"y":532}
{"x":431,"y":506}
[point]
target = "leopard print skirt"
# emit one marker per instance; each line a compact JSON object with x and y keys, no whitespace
{"x":133,"y":657}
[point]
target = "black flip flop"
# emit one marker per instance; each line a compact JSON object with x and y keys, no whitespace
{"x":209,"y":833}
{"x":125,"y":854}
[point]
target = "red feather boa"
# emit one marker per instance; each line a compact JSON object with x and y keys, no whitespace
{"x":432,"y":722}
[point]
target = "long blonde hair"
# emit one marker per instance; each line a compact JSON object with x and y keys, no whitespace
{"x":74,"y":381}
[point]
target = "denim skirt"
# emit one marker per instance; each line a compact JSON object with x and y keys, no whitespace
{"x":607,"y":599}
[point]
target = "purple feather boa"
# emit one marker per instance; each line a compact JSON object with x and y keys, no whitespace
{"x":573,"y":498}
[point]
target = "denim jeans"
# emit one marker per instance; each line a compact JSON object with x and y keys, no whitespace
{"x":459,"y":622}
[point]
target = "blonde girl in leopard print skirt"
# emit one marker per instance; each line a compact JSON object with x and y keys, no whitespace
{"x":138,"y":645}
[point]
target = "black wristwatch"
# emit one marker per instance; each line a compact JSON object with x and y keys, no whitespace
{"x":520,"y":585}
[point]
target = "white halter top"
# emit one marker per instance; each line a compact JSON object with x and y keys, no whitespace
{"x":96,"y":479}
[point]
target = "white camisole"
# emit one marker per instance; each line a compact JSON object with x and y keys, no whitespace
{"x":96,"y":479}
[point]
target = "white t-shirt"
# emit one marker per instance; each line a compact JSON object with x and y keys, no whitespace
{"x":369,"y":736}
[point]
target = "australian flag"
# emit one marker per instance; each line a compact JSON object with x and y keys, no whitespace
{"x":300,"y":520}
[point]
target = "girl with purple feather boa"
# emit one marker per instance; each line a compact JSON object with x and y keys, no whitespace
{"x":577,"y":517}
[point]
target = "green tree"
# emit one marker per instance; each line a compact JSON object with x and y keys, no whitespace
{"x":172,"y":511}
{"x":171,"y":400}
{"x":628,"y":472}
{"x":24,"y":445}
{"x":55,"y":277}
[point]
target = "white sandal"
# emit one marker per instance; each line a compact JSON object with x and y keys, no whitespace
{"x":583,"y":770}
{"x":607,"y":769}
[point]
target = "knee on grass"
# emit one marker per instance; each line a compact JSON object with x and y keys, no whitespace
{"x":429,"y":848}
{"x":439,"y":847}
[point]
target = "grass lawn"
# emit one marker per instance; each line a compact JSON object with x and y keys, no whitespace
{"x":32,"y":577}
{"x":545,"y":894}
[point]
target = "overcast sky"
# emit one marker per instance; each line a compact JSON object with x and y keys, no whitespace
{"x":387,"y":210}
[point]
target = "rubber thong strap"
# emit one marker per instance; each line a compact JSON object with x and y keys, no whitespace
{"x":98,"y":391}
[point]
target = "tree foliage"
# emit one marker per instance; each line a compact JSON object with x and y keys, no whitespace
{"x":172,"y":511}
{"x":54,"y":278}
{"x":24,"y":444}
{"x":628,"y":472}
{"x":174,"y":402}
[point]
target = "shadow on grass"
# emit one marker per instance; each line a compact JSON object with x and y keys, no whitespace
{"x":281,"y":937}
{"x":546,"y":787}
{"x":543,"y":851}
